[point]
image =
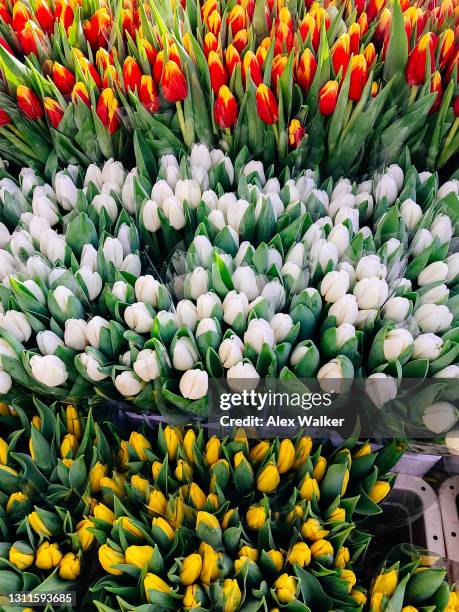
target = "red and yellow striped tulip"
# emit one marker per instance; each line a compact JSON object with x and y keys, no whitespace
{"x":54,"y":112}
{"x":132,"y":74}
{"x":148,"y":94}
{"x":29,"y":103}
{"x":225,"y":108}
{"x":63,"y":78}
{"x":328,"y":96}
{"x":173,"y":83}
{"x":306,"y":70}
{"x":266,"y":105}
{"x":218,"y":74}
{"x":358,"y":76}
{"x":416,"y":67}
{"x":107,"y":110}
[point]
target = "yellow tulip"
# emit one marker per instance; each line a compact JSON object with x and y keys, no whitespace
{"x":140,"y":556}
{"x":191,"y":598}
{"x":268,"y":479}
{"x":321,"y":548}
{"x":172,"y":438}
{"x":175,"y":511}
{"x":320,"y":468}
{"x":286,"y":456}
{"x":162,"y":524}
{"x":302,"y":451}
{"x":386,"y":583}
{"x":212,"y":454}
{"x":140,"y":484}
{"x":343,"y":557}
{"x":68,"y":463}
{"x":183,"y":471}
{"x":96,"y":473}
{"x":285,"y":587}
{"x":309,"y":488}
{"x":376,"y":603}
{"x":300,"y":554}
{"x":362,"y":451}
{"x":191,"y":569}
{"x":21,"y":555}
{"x":227,"y":517}
{"x":115,"y":484}
{"x":108,"y":558}
{"x":48,"y":556}
{"x":36,"y":422}
{"x":195,"y":494}
{"x":69,"y":445}
{"x":4,"y":409}
{"x":151,"y":582}
{"x":277,"y":559}
{"x":188,"y":445}
{"x":359,"y":597}
{"x":453,"y":601}
{"x":232,"y":595}
{"x":69,"y":568}
{"x":37,"y":524}
{"x":256,"y":517}
{"x":157,"y":502}
{"x":3,"y":452}
{"x":212,"y":501}
{"x":413,"y":609}
{"x":248,"y":551}
{"x":103,"y":513}
{"x":259,"y":451}
{"x":8,"y":470}
{"x":85,"y":537}
{"x":140,"y":444}
{"x":379,"y":491}
{"x":205,"y":518}
{"x":127,"y":525}
{"x":123,"y":454}
{"x":15,"y":498}
{"x":349,"y":576}
{"x":210,"y":569}
{"x":345,"y":483}
{"x":338,"y":515}
{"x":155,"y":469}
{"x":73,"y":421}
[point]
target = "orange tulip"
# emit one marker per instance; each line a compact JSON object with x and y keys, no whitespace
{"x":131,"y":74}
{"x":354,"y":37}
{"x":374,"y":7}
{"x":80,"y":92}
{"x":4,"y":118}
{"x":284,"y":39}
{"x":110,"y":77}
{"x":150,"y":51}
{"x":363,"y":23}
{"x":306,"y":70}
{"x":358,"y":76}
{"x":295,"y":133}
{"x":148,"y":94}
{"x":107,"y":110}
{"x":415,"y":71}
{"x":158,"y":67}
{"x":266,"y":105}
{"x":341,"y":53}
{"x":225,"y":108}
{"x":251,"y":65}
{"x":446,"y":47}
{"x":173,"y":83}
{"x":232,"y":59}
{"x":308,"y":27}
{"x":210,"y":43}
{"x":21,"y":15}
{"x":370,"y":54}
{"x":214,"y":23}
{"x":218,"y":75}
{"x":63,"y":78}
{"x":435,"y":86}
{"x":97,"y":29}
{"x":279,"y":63}
{"x":236,"y":19}
{"x":44,"y":16}
{"x":328,"y":96}
{"x":54,"y":112}
{"x":375,"y":87}
{"x":64,"y":13}
{"x":29,"y":103}
{"x":241,"y":40}
{"x":28,"y":37}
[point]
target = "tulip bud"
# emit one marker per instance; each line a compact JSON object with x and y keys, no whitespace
{"x":285,"y":587}
{"x":300,"y":554}
{"x":29,"y":103}
{"x":127,"y":384}
{"x":48,"y":556}
{"x":109,"y":558}
{"x":256,"y":517}
{"x":433,"y":318}
{"x":173,"y":83}
{"x":381,"y":388}
{"x":379,"y":491}
{"x":386,"y":583}
{"x":268,"y":479}
{"x":21,"y":555}
{"x":266,"y":105}
{"x":85,"y":536}
{"x":225,"y":108}
{"x":309,"y":488}
{"x":107,"y":110}
{"x":328,"y":97}
{"x":312,"y":530}
{"x":190,"y":569}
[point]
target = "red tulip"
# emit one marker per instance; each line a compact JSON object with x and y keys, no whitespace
{"x":286,"y":17}
{"x":131,"y":74}
{"x":28,"y":37}
{"x":374,"y":7}
{"x":266,"y":105}
{"x":64,"y":13}
{"x":358,"y":76}
{"x":29,"y":103}
{"x":103,"y":59}
{"x":284,"y":39}
{"x":328,"y":96}
{"x":415,"y":71}
{"x":341,"y":54}
{"x":5,"y":14}
{"x":262,"y":52}
{"x":295,"y":133}
{"x":21,"y":15}
{"x":214,"y":23}
{"x":4,"y":118}
{"x":54,"y":112}
{"x":308,"y":27}
{"x":278,"y":67}
{"x":128,"y":22}
{"x":236,"y":19}
{"x":148,"y":94}
{"x":363,"y":23}
{"x":150,"y":51}
{"x":456,"y":106}
{"x":232,"y":59}
{"x":210,"y":43}
{"x":63,"y":78}
{"x":306,"y":70}
{"x":107,"y":110}
{"x":80,"y":92}
{"x":435,"y":86}
{"x":370,"y":54}
{"x":446,"y":47}
{"x":158,"y":67}
{"x":354,"y":37}
{"x":251,"y":65}
{"x":218,"y":75}
{"x":89,"y":69}
{"x":44,"y":16}
{"x":110,"y":77}
{"x":97,"y":29}
{"x":225,"y":108}
{"x":173,"y":83}
{"x":241,"y":40}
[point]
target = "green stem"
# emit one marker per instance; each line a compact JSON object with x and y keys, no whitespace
{"x":181,"y":119}
{"x":347,"y":113}
{"x":452,"y":133}
{"x":229,"y":137}
{"x":276,"y":133}
{"x":413,"y":93}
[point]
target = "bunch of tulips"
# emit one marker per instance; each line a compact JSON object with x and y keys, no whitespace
{"x":341,"y":85}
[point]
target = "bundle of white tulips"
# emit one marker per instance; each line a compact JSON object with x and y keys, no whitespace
{"x":265,"y":277}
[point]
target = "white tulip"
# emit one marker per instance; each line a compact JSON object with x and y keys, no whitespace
{"x":49,"y":370}
{"x":91,"y":366}
{"x":146,"y":366}
{"x":150,"y":216}
{"x":411,"y":214}
{"x":330,"y":377}
{"x":172,"y":176}
{"x":386,"y":187}
{"x":231,"y":351}
{"x":226,"y":202}
{"x":451,"y":371}
{"x":36,"y":266}
{"x":169,"y":161}
{"x":391,"y":246}
{"x":200,"y":177}
{"x":92,"y":281}
{"x":6,"y":351}
{"x":291,"y":269}
{"x":55,"y":275}
{"x":206,"y":303}
{"x":281,"y":324}
{"x":7,"y":186}
{"x":16,"y":324}
{"x":110,"y":189}
{"x":433,"y":318}
{"x":274,"y":292}
{"x":435,"y":295}
{"x":242,"y":376}
{"x":427,"y":346}
{"x":296,"y":254}
{"x":245,"y":281}
{"x":217,"y":219}
{"x":345,"y":310}
{"x":5,"y":383}
{"x":108,"y":203}
{"x":344,"y":201}
{"x":48,"y":342}
{"x":305,"y":185}
{"x":188,"y":190}
{"x":442,"y":228}
{"x":127,"y":193}
{"x":396,"y":343}
{"x":206,"y":325}
{"x":203,"y":249}
{"x":28,"y":180}
{"x":93,"y":175}
{"x":184,"y":354}
{"x":4,"y":235}
{"x":440,"y":417}
{"x":131,"y":263}
{"x":124,"y":236}
{"x":370,"y":265}
{"x":43,"y":207}
{"x":257,"y":167}
{"x":344,"y":333}
{"x":272,"y":186}
{"x":216,"y":156}
{"x":21,"y":243}
{"x":187,"y":314}
{"x":161,"y":192}
{"x":66,"y":190}
{"x":259,"y":333}
{"x":404,"y":283}
{"x":322,"y":252}
{"x":424,"y":176}
{"x":448,"y":187}
{"x":93,"y":329}
{"x":381,"y":388}
{"x":339,"y":236}
{"x":89,"y":257}
{"x":433,"y":273}
{"x":274,"y":258}
{"x":322,"y":196}
{"x":200,"y":157}
{"x":422,"y":240}
{"x":75,"y":334}
{"x":453,"y":267}
{"x":146,"y":289}
{"x":234,"y":304}
{"x":396,"y":309}
{"x":210,"y":199}
{"x":128,"y":384}
{"x":342,"y":187}
{"x":362,"y":197}
{"x":371,"y":293}
{"x":236,"y":213}
{"x":138,"y":318}
{"x":198,"y":283}
{"x":113,"y":172}
{"x":113,"y":251}
{"x":62,"y":295}
{"x":334,"y":285}
{"x":53,"y":246}
{"x":37,"y":227}
{"x":173,"y":210}
{"x":35,"y":290}
{"x":396,"y":173}
{"x":194,"y":384}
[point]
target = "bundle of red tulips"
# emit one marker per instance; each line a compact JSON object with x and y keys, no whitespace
{"x":342,"y":85}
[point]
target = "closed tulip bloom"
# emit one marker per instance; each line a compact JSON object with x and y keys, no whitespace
{"x":358,"y":77}
{"x":194,"y":384}
{"x":103,"y":513}
{"x":132,"y":74}
{"x":379,"y":491}
{"x":313,"y":530}
{"x":140,"y":556}
{"x":285,"y":587}
{"x":225,"y":108}
{"x":251,"y":66}
{"x":321,"y":548}
{"x":415,"y":70}
{"x":433,"y":318}
{"x":266,"y":105}
{"x":286,"y":456}
{"x":343,"y":557}
{"x":338,"y":515}
{"x":268,"y":479}
{"x":341,"y":54}
{"x":277,"y":559}
{"x":96,"y":473}
{"x":79,"y":92}
{"x":300,"y":554}
{"x":63,"y":78}
{"x":328,"y":96}
{"x":48,"y":556}
{"x":232,"y":595}
{"x":320,"y":468}
{"x":85,"y":536}
{"x":29,"y":103}
{"x":69,"y":445}
{"x":69,"y":568}
{"x":152,"y":582}
{"x":173,"y":83}
{"x":148,"y":94}
{"x":306,"y":70}
{"x":21,"y":555}
{"x":14,"y":499}
{"x":256,"y":517}
{"x":108,"y":558}
{"x":191,"y":569}
{"x":386,"y":583}
{"x":37,"y":524}
{"x":164,"y":526}
{"x":232,"y":59}
{"x":157,"y":502}
{"x":309,"y":488}
{"x":107,"y":110}
{"x":218,"y":74}
{"x":302,"y":451}
{"x":49,"y":370}
{"x":140,"y":445}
